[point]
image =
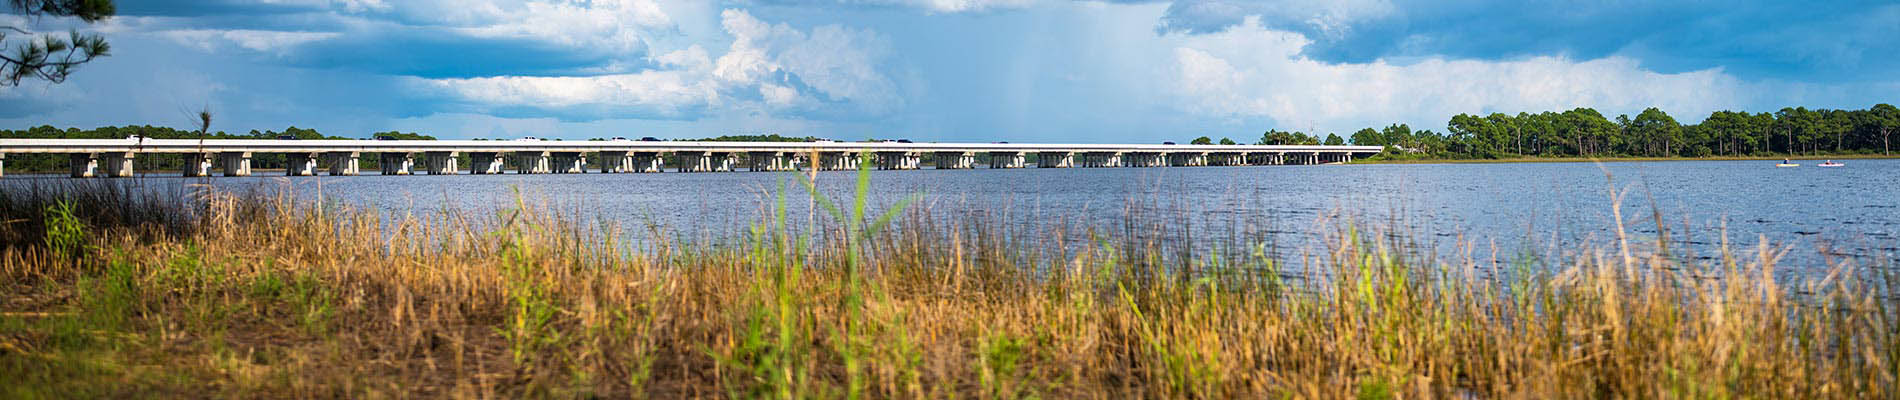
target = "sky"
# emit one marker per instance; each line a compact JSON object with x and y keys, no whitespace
{"x":1061,"y":71}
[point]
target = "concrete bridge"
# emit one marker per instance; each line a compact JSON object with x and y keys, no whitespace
{"x":232,"y":157}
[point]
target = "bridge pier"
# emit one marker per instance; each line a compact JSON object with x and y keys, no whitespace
{"x":235,"y":163}
{"x":567,"y":162}
{"x":343,"y":163}
{"x":898,"y":160}
{"x":615,"y":162}
{"x":1097,"y":159}
{"x":954,"y":159}
{"x":396,"y":163}
{"x":648,"y":162}
{"x":1055,"y":159}
{"x":769,"y":161}
{"x":1141,"y":159}
{"x":440,"y":162}
{"x":116,"y":164}
{"x":1187,"y":159}
{"x":196,"y":165}
{"x":1007,"y":159}
{"x":300,"y":164}
{"x":84,"y":165}
{"x":1223,"y":160}
{"x":692,"y":161}
{"x":705,"y":161}
{"x":486,"y":163}
{"x":532,"y":162}
{"x":838,"y":161}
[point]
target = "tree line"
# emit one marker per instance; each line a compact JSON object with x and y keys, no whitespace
{"x":1584,"y":132}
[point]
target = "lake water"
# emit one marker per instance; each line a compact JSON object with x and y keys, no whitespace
{"x":1851,"y":210}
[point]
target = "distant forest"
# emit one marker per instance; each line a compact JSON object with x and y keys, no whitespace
{"x":1652,"y":133}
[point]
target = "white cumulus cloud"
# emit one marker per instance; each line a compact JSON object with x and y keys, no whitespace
{"x":656,"y":93}
{"x":211,"y":40}
{"x":617,"y":25}
{"x":1248,"y":71}
{"x":771,"y":67}
{"x":957,"y":6}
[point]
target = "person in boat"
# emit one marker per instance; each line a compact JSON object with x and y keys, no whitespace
{"x":1785,"y":161}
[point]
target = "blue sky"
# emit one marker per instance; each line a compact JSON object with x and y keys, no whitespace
{"x":951,"y":70}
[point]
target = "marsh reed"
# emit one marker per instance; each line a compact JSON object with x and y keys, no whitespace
{"x":257,"y":294}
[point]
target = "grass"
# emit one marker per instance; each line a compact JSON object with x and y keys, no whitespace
{"x":260,"y":295}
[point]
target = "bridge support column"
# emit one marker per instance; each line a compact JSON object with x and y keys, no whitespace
{"x":1176,"y":159}
{"x":1142,"y":160}
{"x":300,"y":164}
{"x":567,"y":162}
{"x":615,"y":162}
{"x":440,"y":162}
{"x":897,"y":160}
{"x":1007,"y":159}
{"x":235,"y":163}
{"x":196,"y":165}
{"x":84,"y":165}
{"x":838,"y":161}
{"x":705,"y":161}
{"x":532,"y":162}
{"x":1055,"y":159}
{"x":486,"y":163}
{"x":692,"y":161}
{"x":768,"y":161}
{"x":116,"y":164}
{"x":722,"y":161}
{"x":343,"y":163}
{"x":648,"y":162}
{"x":954,"y":159}
{"x":1098,"y":159}
{"x":397,"y":163}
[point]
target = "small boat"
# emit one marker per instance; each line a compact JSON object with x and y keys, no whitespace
{"x":1787,"y":165}
{"x":1831,"y":163}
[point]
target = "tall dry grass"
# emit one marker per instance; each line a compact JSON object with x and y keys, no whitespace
{"x":262,"y":295}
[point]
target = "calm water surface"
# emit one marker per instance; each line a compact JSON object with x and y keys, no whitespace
{"x":1851,"y":210}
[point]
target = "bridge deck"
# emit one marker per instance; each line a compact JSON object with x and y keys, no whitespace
{"x":114,"y":157}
